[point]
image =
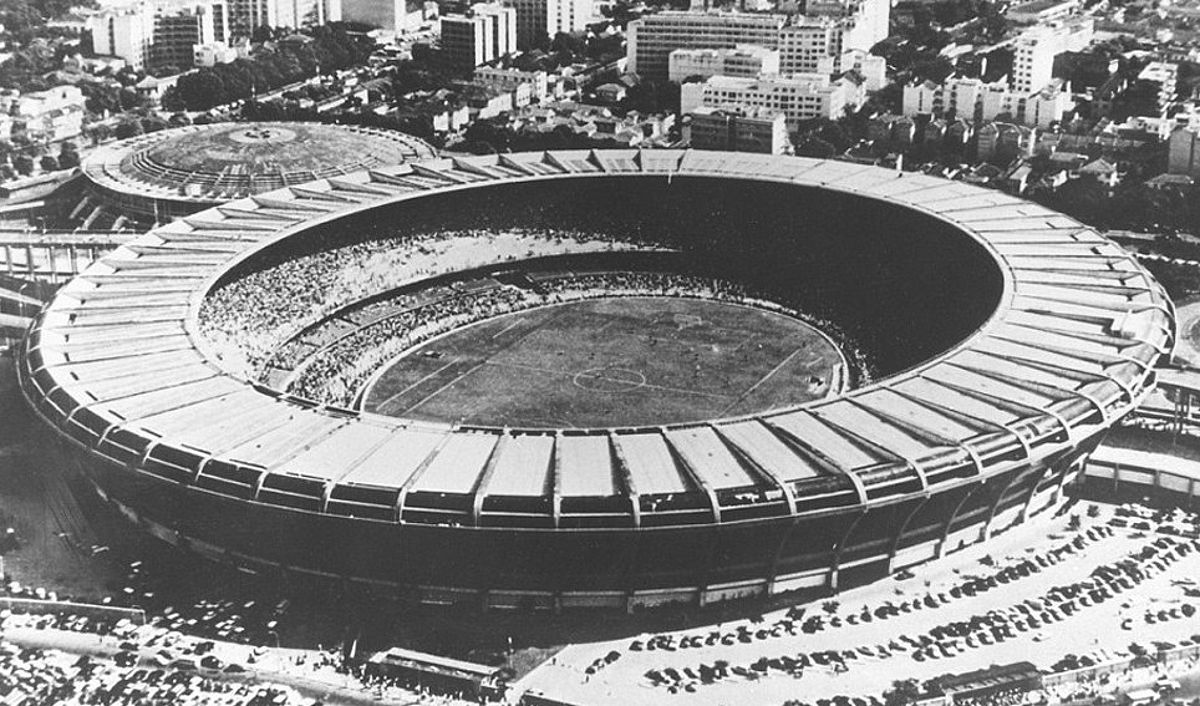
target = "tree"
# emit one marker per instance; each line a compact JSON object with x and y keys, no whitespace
{"x":171,"y":100}
{"x":153,"y":123}
{"x":261,"y":34}
{"x":99,"y":133}
{"x":49,"y":164}
{"x":903,"y":692}
{"x":23,"y":164}
{"x":1141,"y":98}
{"x":815,"y":147}
{"x":494,"y":134}
{"x":201,"y":90}
{"x":128,"y":127}
{"x":68,"y":160}
{"x":573,"y":44}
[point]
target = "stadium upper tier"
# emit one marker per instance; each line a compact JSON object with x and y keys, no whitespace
{"x":183,"y":170}
{"x":116,"y":364}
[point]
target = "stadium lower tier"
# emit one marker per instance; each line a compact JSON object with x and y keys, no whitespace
{"x":595,"y":568}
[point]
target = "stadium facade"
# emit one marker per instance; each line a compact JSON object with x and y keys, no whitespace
{"x":957,"y":442}
{"x":157,"y":177}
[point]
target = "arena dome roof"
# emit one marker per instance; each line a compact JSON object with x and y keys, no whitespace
{"x":191,"y":168}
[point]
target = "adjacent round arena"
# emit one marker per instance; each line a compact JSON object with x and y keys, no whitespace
{"x":160,"y":176}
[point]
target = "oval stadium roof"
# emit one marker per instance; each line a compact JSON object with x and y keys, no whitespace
{"x":116,"y":362}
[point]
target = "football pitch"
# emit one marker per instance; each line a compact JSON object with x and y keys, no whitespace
{"x":615,"y":362}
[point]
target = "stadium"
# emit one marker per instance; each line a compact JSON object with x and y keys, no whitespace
{"x":416,"y":378}
{"x":160,"y":176}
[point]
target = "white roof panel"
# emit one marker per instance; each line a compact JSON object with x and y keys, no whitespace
{"x":585,"y":466}
{"x":709,"y":458}
{"x":458,"y":464}
{"x":650,"y":464}
{"x":392,"y":464}
{"x":523,"y":466}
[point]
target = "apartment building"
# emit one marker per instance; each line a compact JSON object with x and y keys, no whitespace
{"x":651,"y":39}
{"x":798,"y":96}
{"x":738,"y":129}
{"x":745,"y":60}
{"x":485,"y":34}
{"x":541,"y":19}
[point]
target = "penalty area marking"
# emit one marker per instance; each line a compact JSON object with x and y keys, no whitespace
{"x":506,"y":329}
{"x":608,"y":380}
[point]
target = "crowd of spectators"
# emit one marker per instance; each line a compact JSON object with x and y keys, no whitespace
{"x":335,"y":373}
{"x":248,"y":318}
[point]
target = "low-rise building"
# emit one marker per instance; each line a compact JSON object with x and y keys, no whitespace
{"x":213,"y":53}
{"x":1040,"y":11}
{"x":153,"y":89}
{"x":536,"y":83}
{"x":1003,"y":142}
{"x":971,"y":98}
{"x":45,"y":116}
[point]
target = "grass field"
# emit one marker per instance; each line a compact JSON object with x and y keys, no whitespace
{"x":611,"y":362}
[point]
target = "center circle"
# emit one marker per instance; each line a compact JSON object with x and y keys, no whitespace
{"x":609,"y":379}
{"x":612,"y":362}
{"x":262,"y":135}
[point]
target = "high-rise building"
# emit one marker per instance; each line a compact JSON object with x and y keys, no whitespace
{"x":487,"y":33}
{"x":1036,"y":47}
{"x":178,"y":30}
{"x":651,"y":39}
{"x":247,"y":15}
{"x":502,"y":24}
{"x":811,"y":43}
{"x":396,"y":16}
{"x":159,"y":34}
{"x":804,"y":43}
{"x":539,"y":19}
{"x":125,"y":31}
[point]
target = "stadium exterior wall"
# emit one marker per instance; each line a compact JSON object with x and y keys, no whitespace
{"x":514,"y":568}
